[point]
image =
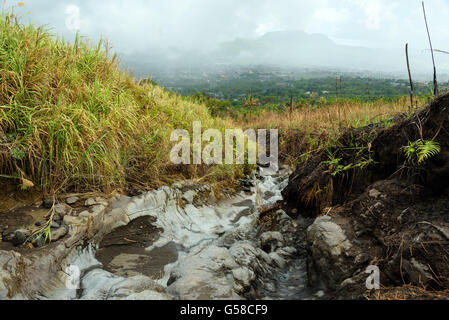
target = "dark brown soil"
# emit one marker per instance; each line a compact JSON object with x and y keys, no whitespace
{"x":122,"y":252}
{"x":313,"y":188}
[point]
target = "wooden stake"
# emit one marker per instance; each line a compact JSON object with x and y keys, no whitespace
{"x":410,"y":77}
{"x":435,"y":84}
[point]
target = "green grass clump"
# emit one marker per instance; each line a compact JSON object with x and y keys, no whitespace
{"x":71,"y":119}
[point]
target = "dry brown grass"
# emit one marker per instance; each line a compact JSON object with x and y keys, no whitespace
{"x":331,"y":118}
{"x":408,"y":292}
{"x":310,"y":128}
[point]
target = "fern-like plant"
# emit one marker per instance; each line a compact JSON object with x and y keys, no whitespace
{"x":422,"y":150}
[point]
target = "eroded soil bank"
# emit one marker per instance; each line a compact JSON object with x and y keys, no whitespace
{"x":376,"y":208}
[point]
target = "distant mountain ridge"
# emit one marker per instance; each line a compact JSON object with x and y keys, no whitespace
{"x":284,"y":49}
{"x":300,"y":49}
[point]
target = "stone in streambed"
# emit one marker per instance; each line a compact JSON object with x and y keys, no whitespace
{"x":19,"y":237}
{"x":61,"y":209}
{"x":39,"y":242}
{"x":189,"y":196}
{"x":72,"y":200}
{"x":268,"y":195}
{"x":58,"y":233}
{"x":48,"y":203}
{"x":270,"y":241}
{"x":55,"y":225}
{"x":89,"y":202}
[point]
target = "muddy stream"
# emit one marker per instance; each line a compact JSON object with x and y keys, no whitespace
{"x":180,"y":242}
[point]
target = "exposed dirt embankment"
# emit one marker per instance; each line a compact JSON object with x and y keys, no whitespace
{"x":378,"y":208}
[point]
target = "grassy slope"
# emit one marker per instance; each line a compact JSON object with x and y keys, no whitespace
{"x":71,"y":119}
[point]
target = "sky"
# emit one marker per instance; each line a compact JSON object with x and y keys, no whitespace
{"x":137,"y":25}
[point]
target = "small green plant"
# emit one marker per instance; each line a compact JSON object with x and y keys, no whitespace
{"x":335,"y":167}
{"x":422,"y":150}
{"x":44,"y":231}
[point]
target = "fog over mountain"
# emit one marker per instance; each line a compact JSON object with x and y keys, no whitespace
{"x":285,"y":49}
{"x":351,"y":35}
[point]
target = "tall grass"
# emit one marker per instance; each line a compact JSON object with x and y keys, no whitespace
{"x":310,"y":128}
{"x":71,"y":119}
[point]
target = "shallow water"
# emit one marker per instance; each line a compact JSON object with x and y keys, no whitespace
{"x":200,"y":249}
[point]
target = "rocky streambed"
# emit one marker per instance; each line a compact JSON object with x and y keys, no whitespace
{"x":177,"y":242}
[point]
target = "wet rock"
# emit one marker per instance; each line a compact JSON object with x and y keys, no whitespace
{"x":97,"y":209}
{"x":101,"y":201}
{"x":71,"y":200}
{"x":188,"y":185}
{"x":247,"y":183}
{"x":84,"y":214}
{"x":39,"y":242}
{"x":97,"y":201}
{"x":39,"y":223}
{"x":48,"y":203}
{"x":138,"y":288}
{"x":244,"y":275}
{"x":268,"y":194}
{"x":90,"y":202}
{"x":328,"y":246}
{"x":327,"y":236}
{"x":177,"y":185}
{"x":234,"y":236}
{"x":243,"y":279}
{"x":189,"y":196}
{"x":269,"y":287}
{"x":247,"y":255}
{"x":62,"y":209}
{"x":19,"y":237}
{"x":97,"y":284}
{"x":58,"y":233}
{"x":270,"y":241}
{"x":278,"y":260}
{"x":204,"y":274}
{"x":69,"y":220}
{"x":286,"y":251}
{"x":55,"y":225}
{"x":245,"y":203}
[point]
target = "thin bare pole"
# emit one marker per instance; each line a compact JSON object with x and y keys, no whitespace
{"x":336,"y":88}
{"x":341,"y":91}
{"x":291,"y":107}
{"x":435,"y":84}
{"x":410,"y":77}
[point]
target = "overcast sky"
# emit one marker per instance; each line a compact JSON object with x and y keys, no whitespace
{"x":134,"y":25}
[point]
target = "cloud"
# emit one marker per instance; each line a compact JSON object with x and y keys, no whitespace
{"x":145,"y":25}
